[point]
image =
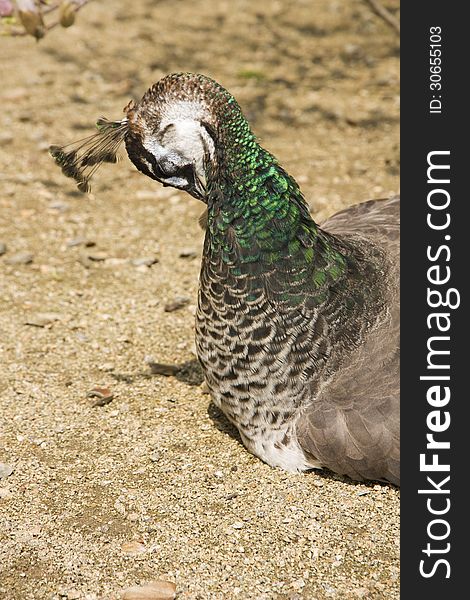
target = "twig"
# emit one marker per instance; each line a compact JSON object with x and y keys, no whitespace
{"x":78,"y":4}
{"x":384,"y":14}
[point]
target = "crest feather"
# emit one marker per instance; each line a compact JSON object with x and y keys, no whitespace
{"x":80,"y":160}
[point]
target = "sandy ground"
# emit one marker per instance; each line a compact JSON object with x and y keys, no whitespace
{"x":155,"y":484}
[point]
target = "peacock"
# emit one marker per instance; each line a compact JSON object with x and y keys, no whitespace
{"x":297,"y":324}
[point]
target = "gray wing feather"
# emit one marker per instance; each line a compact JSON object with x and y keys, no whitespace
{"x":352,"y":426}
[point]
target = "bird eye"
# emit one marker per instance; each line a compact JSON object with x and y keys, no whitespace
{"x":168,"y":166}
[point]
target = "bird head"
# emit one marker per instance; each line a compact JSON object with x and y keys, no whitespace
{"x":171,"y":135}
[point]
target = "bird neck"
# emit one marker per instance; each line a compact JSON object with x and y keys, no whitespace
{"x":257,"y":215}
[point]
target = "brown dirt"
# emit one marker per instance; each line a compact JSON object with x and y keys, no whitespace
{"x":319,"y":83}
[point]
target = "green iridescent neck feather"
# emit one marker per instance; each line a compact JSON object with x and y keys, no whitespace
{"x":257,"y":216}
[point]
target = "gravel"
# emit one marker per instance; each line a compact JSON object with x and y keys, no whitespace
{"x":159,"y":466}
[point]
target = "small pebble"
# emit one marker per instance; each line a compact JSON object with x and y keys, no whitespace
{"x":80,"y":241}
{"x":6,"y":470}
{"x":299,"y":584}
{"x":188,"y":253}
{"x":72,"y":594}
{"x":133,"y":547}
{"x":43,"y":319}
{"x":163,"y":369}
{"x":116,"y":262}
{"x":5,"y":137}
{"x":103,"y":396}
{"x":97,"y":256}
{"x":351,"y":50}
{"x":60,"y":206}
{"x":20,"y":258}
{"x":154,"y":590}
{"x":178,"y":302}
{"x":3,"y":248}
{"x":145,"y":261}
{"x":5,"y":493}
{"x":134,"y":516}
